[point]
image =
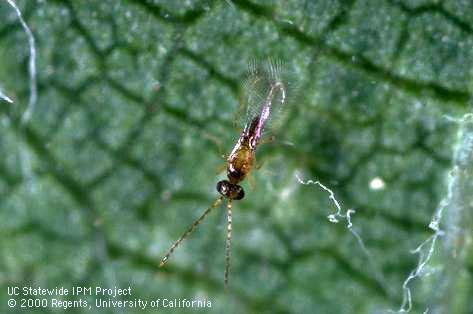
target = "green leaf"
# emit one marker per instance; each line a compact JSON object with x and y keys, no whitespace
{"x":136,"y":104}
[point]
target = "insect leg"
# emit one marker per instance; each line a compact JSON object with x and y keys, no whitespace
{"x":190,"y":230}
{"x":268,"y":140}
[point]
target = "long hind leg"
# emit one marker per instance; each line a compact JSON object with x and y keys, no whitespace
{"x":228,"y":243}
{"x":190,"y":230}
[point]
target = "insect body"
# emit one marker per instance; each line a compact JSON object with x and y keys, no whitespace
{"x":263,"y":89}
{"x":240,"y":161}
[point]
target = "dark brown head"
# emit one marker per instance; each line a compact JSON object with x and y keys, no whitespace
{"x":230,"y":190}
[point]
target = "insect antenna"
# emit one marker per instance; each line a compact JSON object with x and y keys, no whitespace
{"x":194,"y":225}
{"x":228,"y":243}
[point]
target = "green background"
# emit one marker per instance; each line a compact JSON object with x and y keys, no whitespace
{"x":136,"y":101}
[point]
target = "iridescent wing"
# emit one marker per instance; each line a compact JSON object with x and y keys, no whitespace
{"x":256,"y":86}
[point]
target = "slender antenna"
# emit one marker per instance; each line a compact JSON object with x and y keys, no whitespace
{"x":228,"y":242}
{"x":190,"y":230}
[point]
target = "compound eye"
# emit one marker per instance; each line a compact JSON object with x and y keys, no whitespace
{"x":223,"y":187}
{"x":239,"y":193}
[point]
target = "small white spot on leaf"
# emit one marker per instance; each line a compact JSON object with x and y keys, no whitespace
{"x":377,"y":184}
